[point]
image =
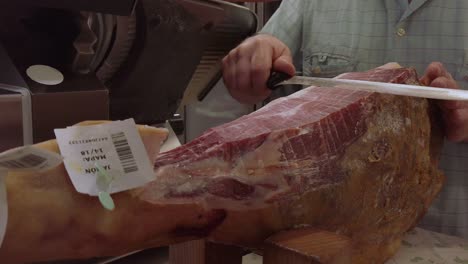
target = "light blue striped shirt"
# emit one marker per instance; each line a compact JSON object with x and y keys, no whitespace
{"x":329,"y":37}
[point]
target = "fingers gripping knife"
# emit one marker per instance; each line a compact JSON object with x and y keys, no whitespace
{"x":277,"y":79}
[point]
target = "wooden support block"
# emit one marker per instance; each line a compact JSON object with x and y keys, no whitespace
{"x":307,"y":246}
{"x":202,"y":252}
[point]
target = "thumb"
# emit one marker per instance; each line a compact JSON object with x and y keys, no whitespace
{"x":284,"y":64}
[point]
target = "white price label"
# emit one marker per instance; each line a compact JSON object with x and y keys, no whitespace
{"x":29,"y":158}
{"x":19,"y":159}
{"x":115,"y":148}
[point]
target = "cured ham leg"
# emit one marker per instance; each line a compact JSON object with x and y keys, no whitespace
{"x":356,"y":163}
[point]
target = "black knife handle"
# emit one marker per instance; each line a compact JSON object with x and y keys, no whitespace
{"x":275,"y":78}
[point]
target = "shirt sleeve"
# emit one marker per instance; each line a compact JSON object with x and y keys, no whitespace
{"x":286,"y":24}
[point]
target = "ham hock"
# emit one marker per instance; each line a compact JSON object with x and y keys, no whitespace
{"x":360,"y":164}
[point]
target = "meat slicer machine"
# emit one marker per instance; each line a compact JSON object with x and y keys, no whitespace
{"x":141,"y":59}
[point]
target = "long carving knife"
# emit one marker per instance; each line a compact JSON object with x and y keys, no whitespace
{"x":278,"y":78}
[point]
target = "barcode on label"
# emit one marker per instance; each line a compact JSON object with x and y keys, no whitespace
{"x":124,"y":152}
{"x":24,"y":162}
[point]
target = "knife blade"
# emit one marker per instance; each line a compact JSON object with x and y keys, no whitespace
{"x":279,"y":78}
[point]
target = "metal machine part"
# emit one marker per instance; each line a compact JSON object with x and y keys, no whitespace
{"x":263,"y":10}
{"x":124,"y":36}
{"x":34,"y":36}
{"x":121,"y":7}
{"x":15,"y":106}
{"x":166,"y":51}
{"x":11,"y":120}
{"x":201,"y":31}
{"x":134,"y":62}
{"x":103,"y":43}
{"x":234,"y":24}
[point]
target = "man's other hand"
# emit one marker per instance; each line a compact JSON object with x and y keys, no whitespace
{"x":455,"y":113}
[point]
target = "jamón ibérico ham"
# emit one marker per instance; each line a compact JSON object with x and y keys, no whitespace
{"x":364,"y":165}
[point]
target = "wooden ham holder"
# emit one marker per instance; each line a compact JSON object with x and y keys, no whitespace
{"x":299,"y":246}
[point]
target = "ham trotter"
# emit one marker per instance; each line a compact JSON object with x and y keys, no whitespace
{"x":361,"y":164}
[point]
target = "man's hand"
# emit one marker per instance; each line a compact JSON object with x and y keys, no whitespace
{"x":455,"y":113}
{"x":247,"y":67}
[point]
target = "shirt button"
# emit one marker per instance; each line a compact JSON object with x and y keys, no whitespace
{"x":317,"y":70}
{"x":323,"y":58}
{"x":401,"y":32}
